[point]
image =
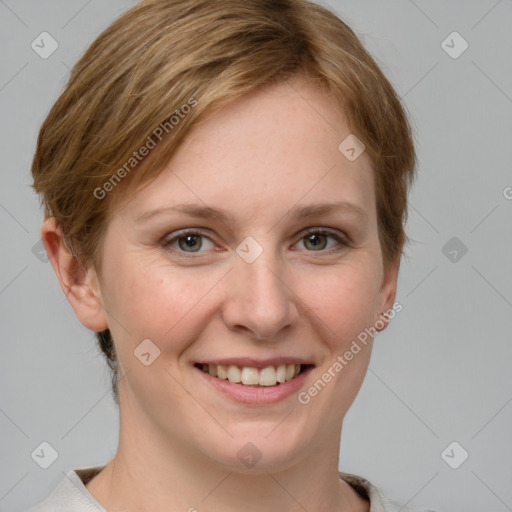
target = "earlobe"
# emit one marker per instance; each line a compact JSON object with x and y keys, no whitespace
{"x":387,"y":294}
{"x":81,"y":286}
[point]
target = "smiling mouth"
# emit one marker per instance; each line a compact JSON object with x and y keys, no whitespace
{"x":251,"y":376}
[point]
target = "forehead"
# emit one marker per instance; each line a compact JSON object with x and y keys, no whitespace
{"x":275,"y":147}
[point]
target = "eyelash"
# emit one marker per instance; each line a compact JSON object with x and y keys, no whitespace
{"x":343,"y":241}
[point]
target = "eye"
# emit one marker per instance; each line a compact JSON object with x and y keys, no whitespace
{"x":317,"y":240}
{"x":187,"y":241}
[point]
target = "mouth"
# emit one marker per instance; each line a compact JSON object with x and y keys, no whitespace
{"x":251,"y":376}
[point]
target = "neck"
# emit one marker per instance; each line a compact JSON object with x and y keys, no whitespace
{"x":148,"y":472}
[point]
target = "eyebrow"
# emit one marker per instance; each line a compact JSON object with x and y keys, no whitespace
{"x":297,"y":212}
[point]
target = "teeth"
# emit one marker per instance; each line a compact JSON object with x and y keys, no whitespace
{"x":281,"y":373}
{"x":250,"y":376}
{"x":268,"y":376}
{"x":222,"y":372}
{"x":234,"y":374}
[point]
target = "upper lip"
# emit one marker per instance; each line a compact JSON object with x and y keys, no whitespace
{"x":255,"y":363}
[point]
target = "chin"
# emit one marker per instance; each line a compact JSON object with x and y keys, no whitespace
{"x":259,"y":448}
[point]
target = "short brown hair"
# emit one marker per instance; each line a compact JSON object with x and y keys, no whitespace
{"x":162,"y":55}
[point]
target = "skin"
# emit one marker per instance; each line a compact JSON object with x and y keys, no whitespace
{"x":257,"y":158}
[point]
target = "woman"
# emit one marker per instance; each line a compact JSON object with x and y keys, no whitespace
{"x":225,"y":191}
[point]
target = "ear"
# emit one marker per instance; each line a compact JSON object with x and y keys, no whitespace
{"x":81,"y":286}
{"x":387,"y":293}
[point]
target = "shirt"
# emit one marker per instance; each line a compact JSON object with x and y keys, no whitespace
{"x":71,"y":495}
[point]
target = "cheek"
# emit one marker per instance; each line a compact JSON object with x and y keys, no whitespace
{"x":342,"y":302}
{"x":342,"y":298}
{"x":157,"y":302}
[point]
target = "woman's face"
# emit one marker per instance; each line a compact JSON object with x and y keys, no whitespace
{"x":255,"y":285}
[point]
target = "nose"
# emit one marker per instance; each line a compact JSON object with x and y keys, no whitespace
{"x":258,"y":299}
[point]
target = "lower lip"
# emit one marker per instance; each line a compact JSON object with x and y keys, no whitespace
{"x":259,"y":395}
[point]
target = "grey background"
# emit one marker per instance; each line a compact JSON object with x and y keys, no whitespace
{"x":440,"y":373}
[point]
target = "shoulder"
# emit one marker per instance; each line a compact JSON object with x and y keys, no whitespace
{"x":71,"y":495}
{"x":378,"y":502}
